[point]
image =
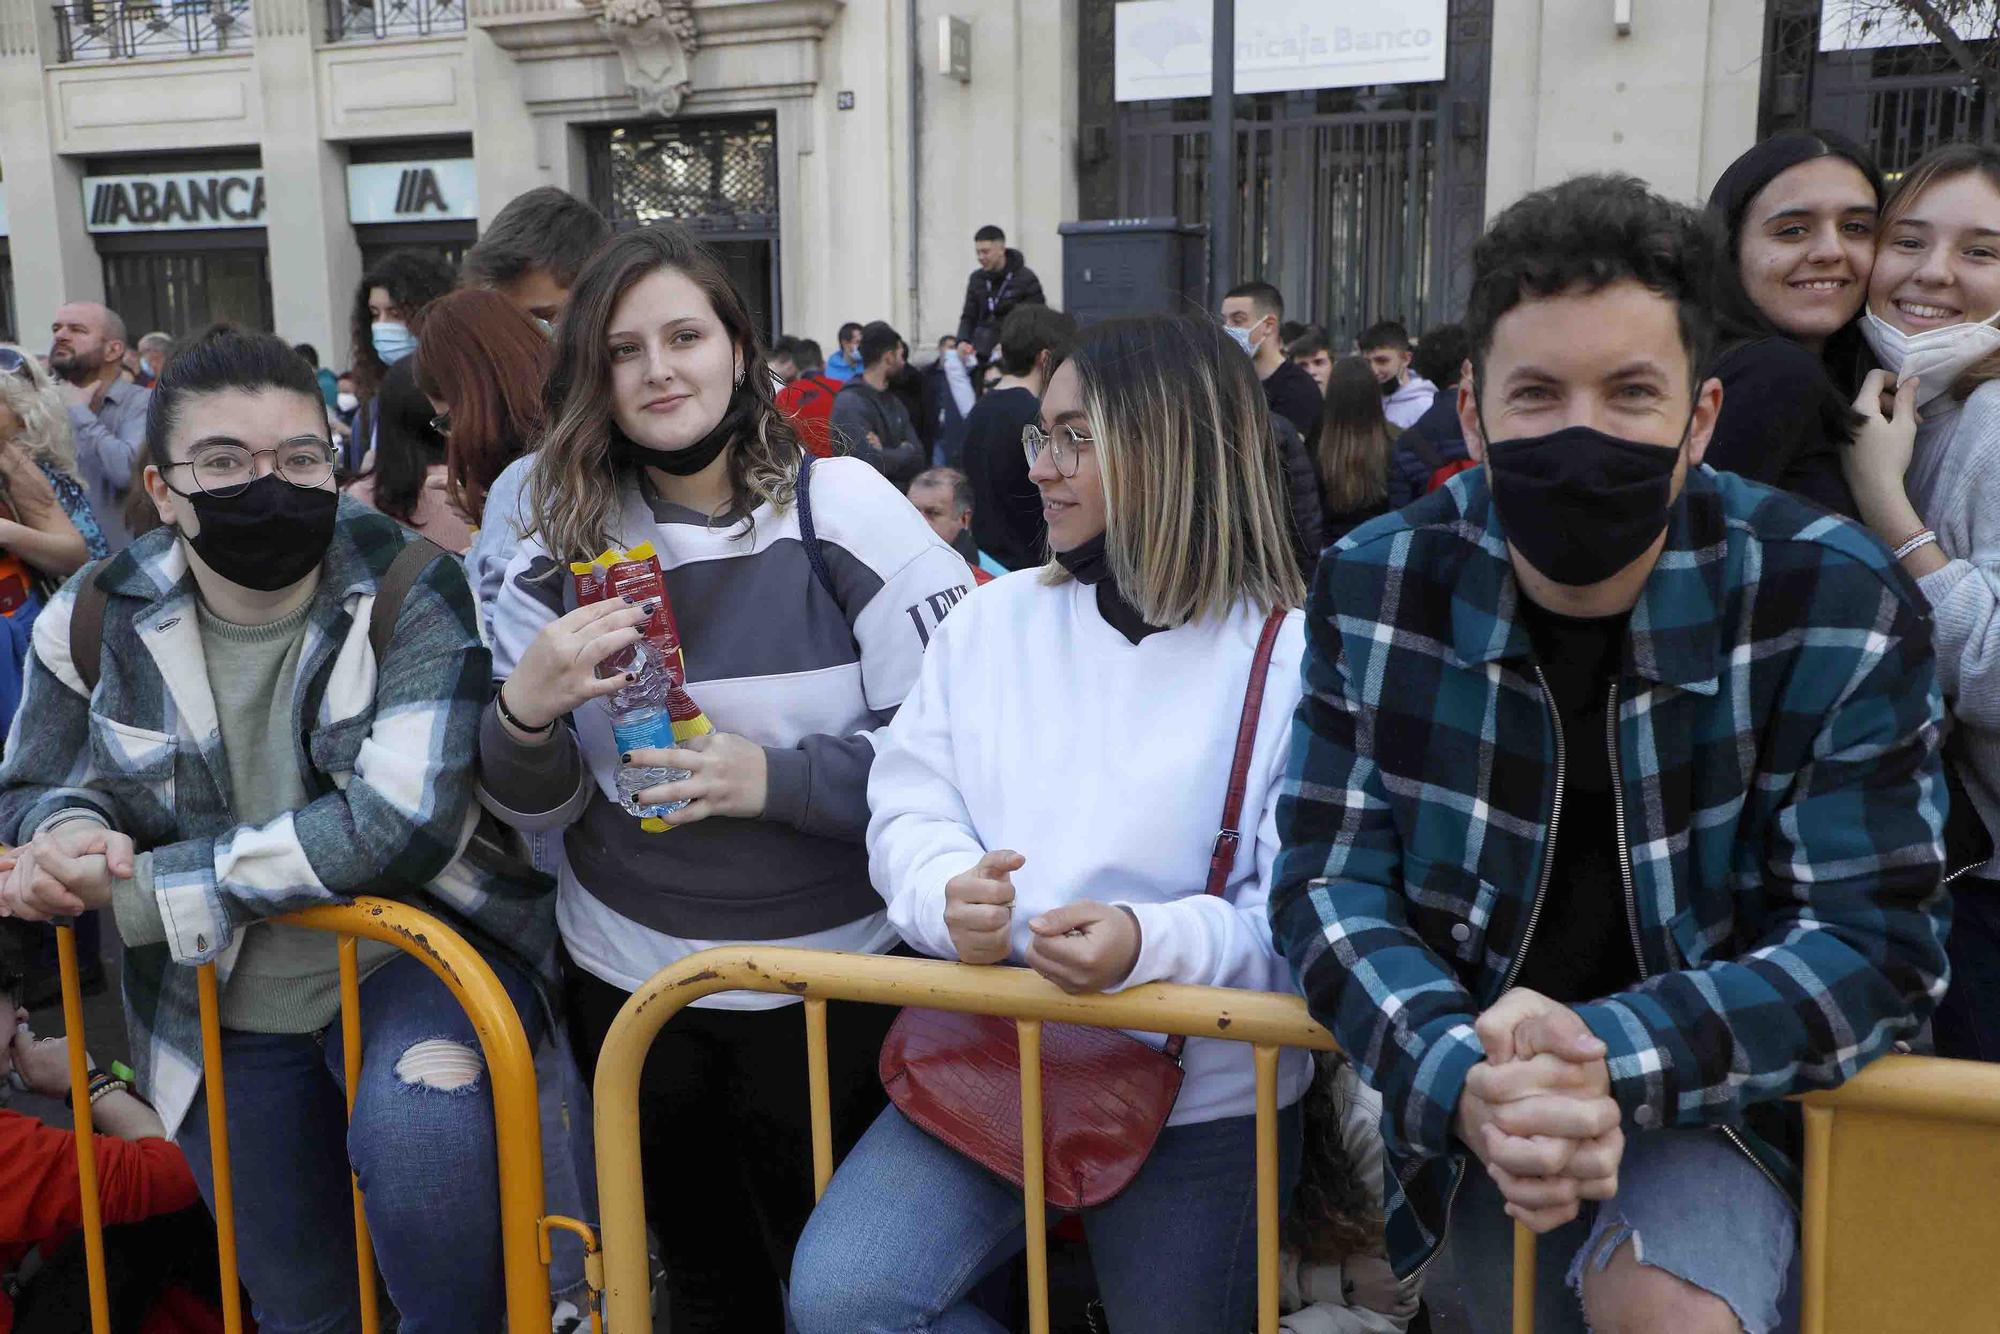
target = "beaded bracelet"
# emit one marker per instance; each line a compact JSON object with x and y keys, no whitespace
{"x":1923,"y":538}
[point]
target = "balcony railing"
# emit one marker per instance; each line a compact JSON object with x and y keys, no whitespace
{"x":122,"y":29}
{"x":374,"y":20}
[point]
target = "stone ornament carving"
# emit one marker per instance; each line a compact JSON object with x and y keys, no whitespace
{"x":656,"y":44}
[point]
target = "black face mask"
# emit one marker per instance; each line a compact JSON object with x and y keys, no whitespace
{"x":1580,"y":505}
{"x":1087,"y":563}
{"x":1090,"y":565}
{"x":267,"y":536}
{"x":687,"y":462}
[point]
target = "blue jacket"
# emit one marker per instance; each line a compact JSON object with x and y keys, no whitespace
{"x":1432,"y":441}
{"x":1781,"y":805}
{"x":842,"y":367}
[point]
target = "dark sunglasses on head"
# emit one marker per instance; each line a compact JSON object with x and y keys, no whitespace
{"x":16,"y":363}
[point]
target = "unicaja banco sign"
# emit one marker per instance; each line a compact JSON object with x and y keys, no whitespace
{"x":1163,"y":47}
{"x":179,"y":202}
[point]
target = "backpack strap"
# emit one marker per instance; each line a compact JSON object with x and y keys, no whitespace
{"x":86,"y":626}
{"x":807,"y":535}
{"x":391,"y":591}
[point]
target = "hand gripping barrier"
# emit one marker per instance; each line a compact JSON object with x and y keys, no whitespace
{"x":1266,"y":1021}
{"x":524,"y":1230}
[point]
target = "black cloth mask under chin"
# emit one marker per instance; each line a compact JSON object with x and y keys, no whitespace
{"x":267,"y":536}
{"x":1578,"y":504}
{"x":697,"y":456}
{"x":1090,"y":565}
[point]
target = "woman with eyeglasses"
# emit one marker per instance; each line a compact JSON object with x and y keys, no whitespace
{"x":1049,"y":796}
{"x":220,"y":740}
{"x":408,"y":478}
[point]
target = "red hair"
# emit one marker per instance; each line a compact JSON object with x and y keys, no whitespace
{"x":478,"y":354}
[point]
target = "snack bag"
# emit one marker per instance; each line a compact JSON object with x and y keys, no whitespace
{"x":656,"y":711}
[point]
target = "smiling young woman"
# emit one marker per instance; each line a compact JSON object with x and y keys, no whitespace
{"x":1799,"y":211}
{"x":1926,"y":473}
{"x":662,"y":430}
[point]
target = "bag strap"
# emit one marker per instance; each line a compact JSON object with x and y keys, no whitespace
{"x":807,"y":535}
{"x":86,"y":626}
{"x":1222,"y":858}
{"x":394,"y":588}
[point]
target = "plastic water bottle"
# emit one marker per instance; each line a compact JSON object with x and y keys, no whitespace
{"x":640,"y":721}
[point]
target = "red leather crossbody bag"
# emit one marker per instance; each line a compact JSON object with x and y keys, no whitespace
{"x":1105,"y":1095}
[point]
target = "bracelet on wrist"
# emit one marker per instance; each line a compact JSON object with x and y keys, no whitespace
{"x":92,"y":1079}
{"x":1917,"y":541}
{"x":99,"y":1091}
{"x":507,"y":715}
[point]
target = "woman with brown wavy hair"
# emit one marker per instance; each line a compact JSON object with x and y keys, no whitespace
{"x":801,"y":636}
{"x":482,"y":363}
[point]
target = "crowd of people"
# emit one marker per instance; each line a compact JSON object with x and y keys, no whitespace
{"x":1591,"y":695}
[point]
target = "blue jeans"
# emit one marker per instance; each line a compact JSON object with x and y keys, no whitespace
{"x":421,"y":1143}
{"x":909,"y":1226}
{"x":1688,"y":1202}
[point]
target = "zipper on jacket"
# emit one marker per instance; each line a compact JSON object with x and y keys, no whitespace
{"x":1632,"y":912}
{"x":1444,"y":1227}
{"x":1624,"y":850}
{"x":1549,"y":852}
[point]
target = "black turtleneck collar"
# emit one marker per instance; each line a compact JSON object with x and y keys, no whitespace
{"x":1089,"y":565}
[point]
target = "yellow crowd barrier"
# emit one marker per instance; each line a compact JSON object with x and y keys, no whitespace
{"x":524,"y":1229}
{"x":1899,"y":1164}
{"x":1265,"y":1021}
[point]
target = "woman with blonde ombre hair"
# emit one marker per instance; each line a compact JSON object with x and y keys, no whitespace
{"x":804,"y":600}
{"x":1049,"y":796}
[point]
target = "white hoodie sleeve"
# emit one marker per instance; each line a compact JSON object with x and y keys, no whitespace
{"x":919,"y":831}
{"x":1225,"y":941}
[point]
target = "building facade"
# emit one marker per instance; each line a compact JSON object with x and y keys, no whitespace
{"x":193,"y":160}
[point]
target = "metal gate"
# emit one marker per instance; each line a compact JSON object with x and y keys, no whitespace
{"x":717,"y":176}
{"x":1359,"y":204}
{"x":1898,"y":102}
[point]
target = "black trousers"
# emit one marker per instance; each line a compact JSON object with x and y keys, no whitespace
{"x":1967,"y":1023}
{"x":726,"y":1138}
{"x":142,"y":1260}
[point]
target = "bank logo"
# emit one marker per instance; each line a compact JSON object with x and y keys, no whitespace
{"x":417,"y":190}
{"x":173,"y":203}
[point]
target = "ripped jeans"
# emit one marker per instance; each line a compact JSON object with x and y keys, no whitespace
{"x":421,"y":1143}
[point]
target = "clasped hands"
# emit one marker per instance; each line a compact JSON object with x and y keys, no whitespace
{"x":1538,"y":1110}
{"x":63,"y":872}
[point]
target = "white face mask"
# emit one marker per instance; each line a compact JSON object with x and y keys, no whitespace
{"x":1936,"y":356}
{"x":346,"y":402}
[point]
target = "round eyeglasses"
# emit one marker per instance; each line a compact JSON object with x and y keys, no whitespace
{"x":224,"y":469}
{"x":1065,"y":445}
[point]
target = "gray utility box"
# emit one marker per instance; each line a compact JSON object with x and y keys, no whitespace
{"x":1133,"y":266}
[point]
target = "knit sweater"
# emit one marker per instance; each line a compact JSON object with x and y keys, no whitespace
{"x":772,"y":657}
{"x":1954,"y":481}
{"x":1036,"y":726}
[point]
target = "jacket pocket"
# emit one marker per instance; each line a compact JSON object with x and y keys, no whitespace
{"x":1450,"y":907}
{"x":134,"y":763}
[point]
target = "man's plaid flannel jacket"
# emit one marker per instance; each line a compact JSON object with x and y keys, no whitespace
{"x":1777,"y":756}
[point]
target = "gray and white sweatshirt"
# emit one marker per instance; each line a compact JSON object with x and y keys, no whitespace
{"x":1954,"y":482}
{"x":770,"y":657}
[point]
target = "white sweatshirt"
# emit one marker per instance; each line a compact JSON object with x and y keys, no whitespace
{"x":1036,"y":726}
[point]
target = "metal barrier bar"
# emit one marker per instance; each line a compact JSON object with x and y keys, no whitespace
{"x":350,"y":1053}
{"x":1265,"y":1020}
{"x":218,"y":1147}
{"x":1524,"y":1278}
{"x":524,"y":1230}
{"x":86,"y":1134}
